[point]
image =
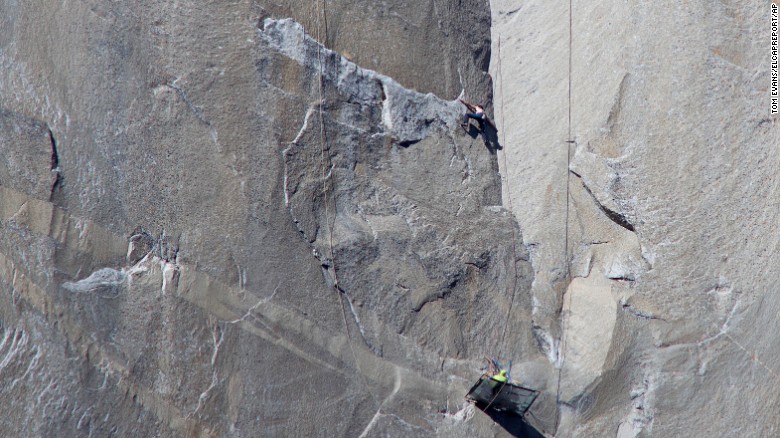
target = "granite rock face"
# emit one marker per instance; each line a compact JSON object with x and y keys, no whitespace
{"x":257,"y":218}
{"x":433,"y":46}
{"x":655,"y":229}
{"x":214,"y":225}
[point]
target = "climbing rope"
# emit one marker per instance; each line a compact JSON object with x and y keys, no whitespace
{"x":327,"y":169}
{"x":509,"y":203}
{"x":752,"y":355}
{"x":327,"y":184}
{"x":514,"y":232}
{"x":569,"y":142}
{"x":503,"y":384}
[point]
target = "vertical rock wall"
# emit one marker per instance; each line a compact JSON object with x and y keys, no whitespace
{"x":213,"y":225}
{"x":654,"y":247}
{"x":249,"y":218}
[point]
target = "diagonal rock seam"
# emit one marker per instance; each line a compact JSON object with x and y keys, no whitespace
{"x":639,"y":313}
{"x":614,"y":216}
{"x":149,"y":394}
{"x":408,"y":116}
{"x":55,"y":166}
{"x":356,"y":319}
{"x":133,"y":157}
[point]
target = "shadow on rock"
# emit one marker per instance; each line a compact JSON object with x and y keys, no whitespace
{"x":489,"y":137}
{"x":514,"y":425}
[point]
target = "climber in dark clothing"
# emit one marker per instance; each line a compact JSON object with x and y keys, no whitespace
{"x":476,"y":112}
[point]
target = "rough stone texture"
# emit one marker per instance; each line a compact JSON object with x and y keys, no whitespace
{"x":182,"y":183}
{"x":29,"y":156}
{"x":211,"y":224}
{"x":434,"y":46}
{"x":672,"y":207}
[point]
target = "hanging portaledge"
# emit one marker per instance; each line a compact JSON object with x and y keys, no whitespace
{"x":501,"y":397}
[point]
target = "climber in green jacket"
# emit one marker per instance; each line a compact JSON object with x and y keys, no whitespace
{"x":500,"y":377}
